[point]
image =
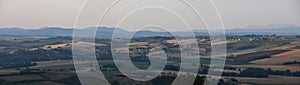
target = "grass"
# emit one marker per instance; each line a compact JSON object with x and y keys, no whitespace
{"x":272,"y":44}
{"x":21,"y":77}
{"x":236,"y":63}
{"x":257,"y":45}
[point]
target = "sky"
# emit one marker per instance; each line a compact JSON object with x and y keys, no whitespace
{"x":33,"y":14}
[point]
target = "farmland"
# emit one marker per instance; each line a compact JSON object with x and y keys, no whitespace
{"x":49,"y":60}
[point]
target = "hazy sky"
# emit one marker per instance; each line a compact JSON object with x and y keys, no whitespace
{"x":34,"y":14}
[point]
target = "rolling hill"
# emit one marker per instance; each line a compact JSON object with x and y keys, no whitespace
{"x":105,"y":32}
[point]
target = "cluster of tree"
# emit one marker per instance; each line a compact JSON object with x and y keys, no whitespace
{"x":24,"y":58}
{"x":72,"y":80}
{"x":168,"y":80}
{"x":284,"y":72}
{"x":232,"y":68}
{"x":230,"y":81}
{"x":254,"y":72}
{"x":289,"y":63}
{"x":230,"y":74}
{"x":171,"y":67}
{"x":249,"y":72}
{"x":258,"y":72}
{"x":297,"y":47}
{"x":205,"y":71}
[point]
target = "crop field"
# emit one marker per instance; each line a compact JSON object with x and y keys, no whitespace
{"x":52,"y":63}
{"x":49,"y":61}
{"x":258,"y":55}
{"x":273,"y":67}
{"x":21,"y":77}
{"x":271,"y":80}
{"x":280,"y":58}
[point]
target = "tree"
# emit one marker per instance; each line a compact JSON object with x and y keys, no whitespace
{"x":254,"y":72}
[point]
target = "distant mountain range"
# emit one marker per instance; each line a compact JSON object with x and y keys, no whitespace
{"x":288,"y":30}
{"x":105,"y":32}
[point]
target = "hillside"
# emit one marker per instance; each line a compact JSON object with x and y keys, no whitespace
{"x":105,"y":32}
